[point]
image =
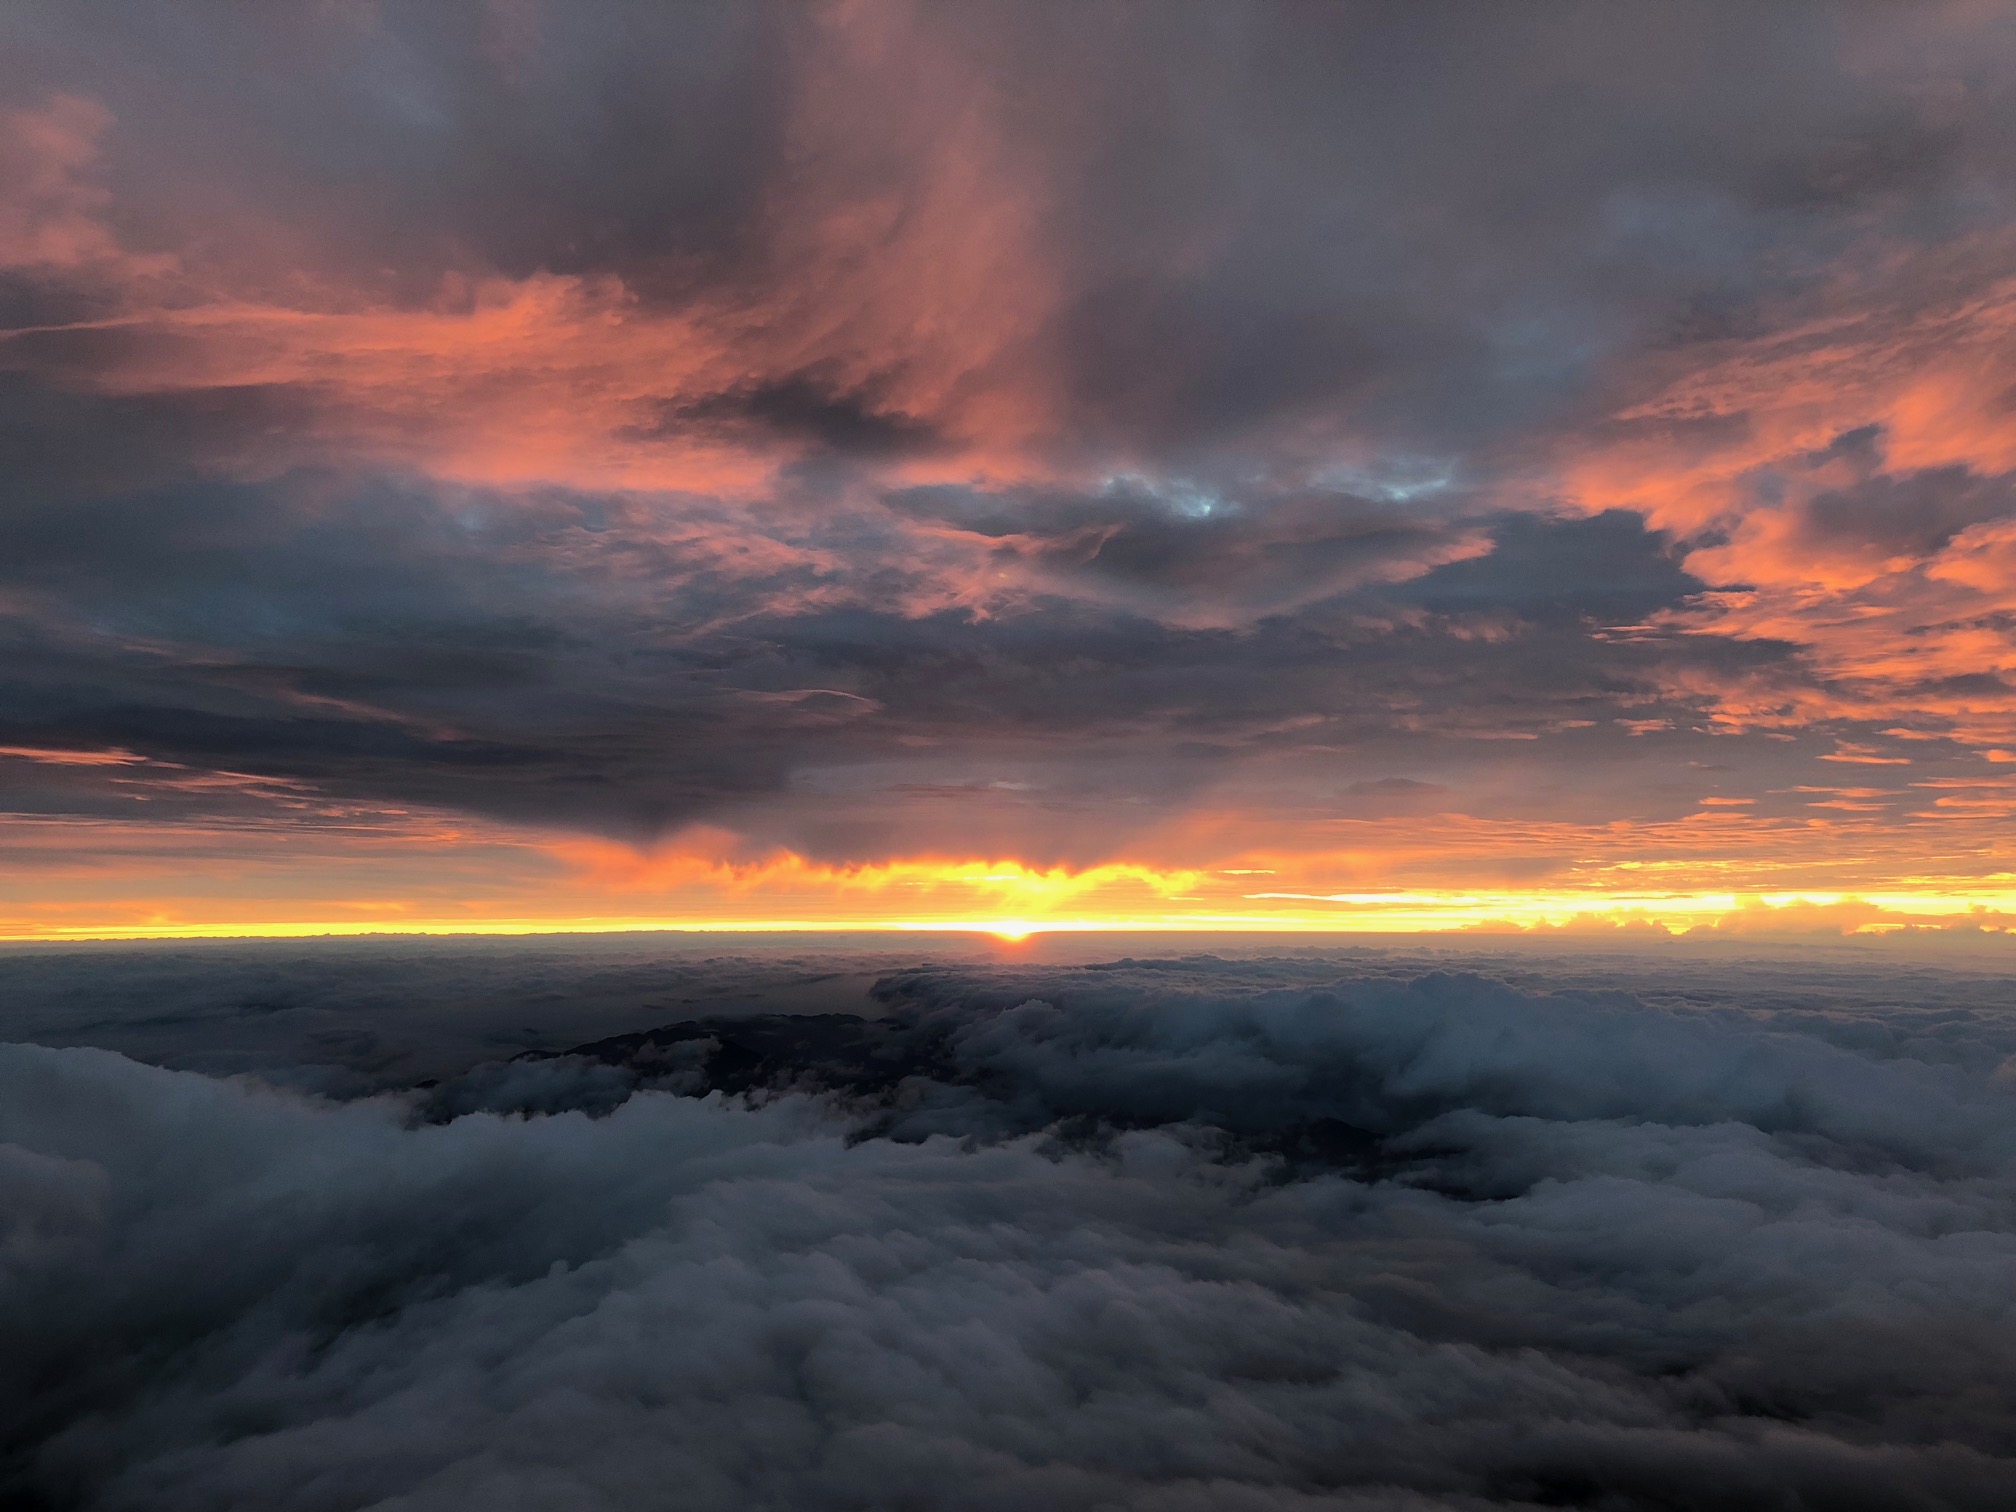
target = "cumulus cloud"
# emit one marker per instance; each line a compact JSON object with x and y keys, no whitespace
{"x":1158,"y":1234}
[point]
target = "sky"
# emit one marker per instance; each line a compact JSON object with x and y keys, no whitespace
{"x":515,"y":466}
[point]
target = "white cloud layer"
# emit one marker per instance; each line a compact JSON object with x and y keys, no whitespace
{"x":1165,"y":1237}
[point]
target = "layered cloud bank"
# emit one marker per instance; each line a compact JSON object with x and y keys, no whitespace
{"x":449,"y":439}
{"x":1173,"y":1235}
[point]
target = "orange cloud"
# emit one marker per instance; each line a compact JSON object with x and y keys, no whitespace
{"x":905,"y":292}
{"x":52,"y":216}
{"x":1738,"y":448}
{"x":48,"y":757}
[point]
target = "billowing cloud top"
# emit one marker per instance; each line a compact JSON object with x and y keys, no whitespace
{"x":521,"y":462}
{"x":1186,"y":1234}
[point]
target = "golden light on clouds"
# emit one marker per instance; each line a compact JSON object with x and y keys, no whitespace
{"x":162,"y":882}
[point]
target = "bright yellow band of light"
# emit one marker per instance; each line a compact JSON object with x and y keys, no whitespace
{"x":425,"y":877}
{"x":1397,"y":912}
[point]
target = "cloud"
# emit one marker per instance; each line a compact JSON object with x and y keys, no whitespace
{"x":509,"y":411}
{"x":1842,"y":482}
{"x":1151,"y":244}
{"x":633,"y":664}
{"x":802,"y":282}
{"x":1154,"y":1234}
{"x":51,"y":216}
{"x":1192,"y":555}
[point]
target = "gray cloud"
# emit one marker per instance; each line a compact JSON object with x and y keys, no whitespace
{"x":591,"y":660}
{"x":1159,"y":1234}
{"x":1312,"y":290}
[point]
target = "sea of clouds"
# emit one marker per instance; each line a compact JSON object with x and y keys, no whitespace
{"x":1348,"y":1230}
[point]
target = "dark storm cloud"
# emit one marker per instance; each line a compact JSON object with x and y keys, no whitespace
{"x":1155,"y":1234}
{"x":1195,"y":553}
{"x":1260,"y":311}
{"x":616,"y":417}
{"x":800,"y":407}
{"x":624,"y":138}
{"x":385,"y":642}
{"x":1266,"y":229}
{"x":576,"y":660}
{"x":1603,"y":571}
{"x":1444,"y":220}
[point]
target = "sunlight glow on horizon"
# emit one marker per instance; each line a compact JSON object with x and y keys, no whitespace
{"x":1644,"y":915}
{"x":406,"y":878}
